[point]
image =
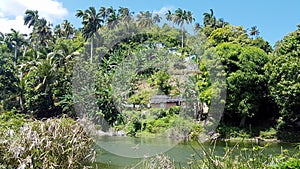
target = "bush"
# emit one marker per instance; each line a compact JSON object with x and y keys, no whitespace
{"x":195,"y":131}
{"x":12,"y":121}
{"x":232,"y":132}
{"x":269,"y":134}
{"x":160,"y":125}
{"x":174,"y":110}
{"x":54,"y":143}
{"x":291,"y":163}
{"x":158,"y":112}
{"x":133,"y":122}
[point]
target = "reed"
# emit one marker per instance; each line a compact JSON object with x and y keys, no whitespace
{"x":50,"y":144}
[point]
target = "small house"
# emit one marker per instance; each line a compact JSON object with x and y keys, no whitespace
{"x":164,"y":101}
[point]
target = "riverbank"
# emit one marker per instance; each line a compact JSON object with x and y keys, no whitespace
{"x":191,"y":154}
{"x":216,"y":136}
{"x":73,"y":131}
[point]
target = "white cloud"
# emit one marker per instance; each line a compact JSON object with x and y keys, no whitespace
{"x":163,"y":10}
{"x":12,"y":13}
{"x":16,"y":23}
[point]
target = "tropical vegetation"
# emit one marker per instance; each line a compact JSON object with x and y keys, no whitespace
{"x":117,"y":59}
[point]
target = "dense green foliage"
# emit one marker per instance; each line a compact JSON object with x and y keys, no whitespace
{"x":245,"y":79}
{"x":284,"y":79}
{"x":109,"y":69}
{"x":12,"y":121}
{"x":64,"y":70}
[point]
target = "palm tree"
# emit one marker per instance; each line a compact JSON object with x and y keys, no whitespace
{"x":254,"y":31}
{"x":42,"y":32}
{"x":58,"y":31}
{"x":64,"y":30}
{"x":68,"y":29}
{"x":91,"y":21}
{"x":40,"y":77}
{"x":110,"y":10}
{"x":197,"y":27}
{"x":15,"y":40}
{"x":209,"y":19}
{"x":112,"y":20}
{"x":2,"y":38}
{"x":106,"y":12}
{"x":125,"y":14}
{"x":103,"y":12}
{"x":169,"y":16}
{"x":157,"y":18}
{"x":220,"y":23}
{"x":63,"y":55}
{"x":180,"y":17}
{"x":144,"y":19}
{"x":31,"y":17}
{"x":111,"y":17}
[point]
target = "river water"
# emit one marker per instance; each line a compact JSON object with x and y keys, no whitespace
{"x":121,"y":152}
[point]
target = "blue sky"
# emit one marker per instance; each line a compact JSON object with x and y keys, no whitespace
{"x":274,"y":19}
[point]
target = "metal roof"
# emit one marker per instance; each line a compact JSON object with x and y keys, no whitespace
{"x":164,"y":99}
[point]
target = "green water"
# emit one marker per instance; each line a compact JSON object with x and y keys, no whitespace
{"x":120,"y":152}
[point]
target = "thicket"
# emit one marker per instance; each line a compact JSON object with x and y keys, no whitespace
{"x":41,"y":74}
{"x":52,"y":143}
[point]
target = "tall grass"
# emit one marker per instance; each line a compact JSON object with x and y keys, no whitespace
{"x":160,"y":161}
{"x":51,"y":144}
{"x":235,"y":157}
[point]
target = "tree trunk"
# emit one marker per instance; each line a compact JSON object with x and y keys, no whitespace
{"x":92,"y":46}
{"x":21,"y":101}
{"x":243,"y":121}
{"x":24,"y":52}
{"x":36,"y":48}
{"x":22,"y":92}
{"x":15,"y":59}
{"x":182,"y":37}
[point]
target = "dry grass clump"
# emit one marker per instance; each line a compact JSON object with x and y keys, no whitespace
{"x":50,"y":144}
{"x":159,"y":161}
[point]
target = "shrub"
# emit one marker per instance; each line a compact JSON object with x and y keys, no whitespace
{"x":54,"y":143}
{"x":269,"y":134}
{"x":12,"y":120}
{"x":160,"y":125}
{"x":174,"y":110}
{"x":158,"y":112}
{"x":195,"y":131}
{"x":232,"y":132}
{"x":291,"y":163}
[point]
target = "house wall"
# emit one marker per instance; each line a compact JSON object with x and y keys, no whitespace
{"x":171,"y":104}
{"x":155,"y":105}
{"x":164,"y":105}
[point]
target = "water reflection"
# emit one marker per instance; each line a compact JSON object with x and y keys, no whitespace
{"x":131,"y":147}
{"x":120,"y":152}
